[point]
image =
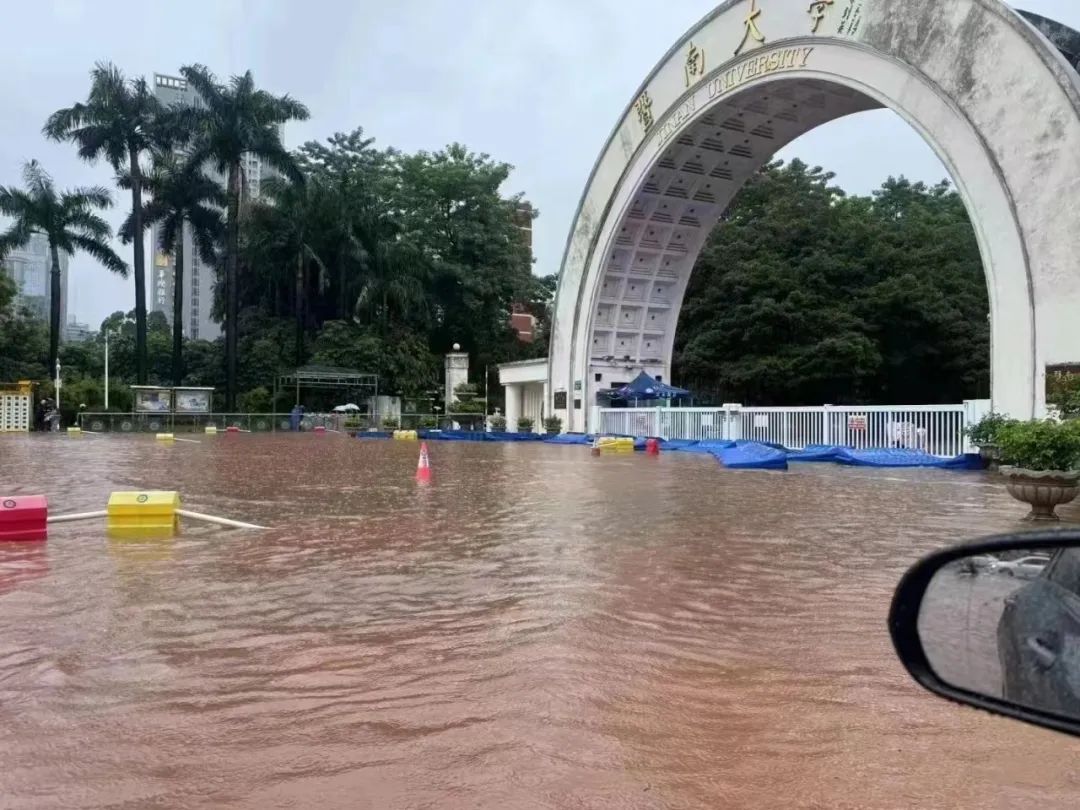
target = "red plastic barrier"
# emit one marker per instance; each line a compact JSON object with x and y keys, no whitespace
{"x":24,"y":518}
{"x":320,"y":429}
{"x":232,"y":429}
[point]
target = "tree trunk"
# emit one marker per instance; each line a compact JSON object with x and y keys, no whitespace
{"x":300,"y":308}
{"x":178,"y":312}
{"x":138,"y":269}
{"x":54,"y":310}
{"x":232,"y":291}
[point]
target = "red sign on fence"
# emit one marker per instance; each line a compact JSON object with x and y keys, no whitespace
{"x":857,"y":423}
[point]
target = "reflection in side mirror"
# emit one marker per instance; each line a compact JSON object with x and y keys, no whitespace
{"x":997,"y":625}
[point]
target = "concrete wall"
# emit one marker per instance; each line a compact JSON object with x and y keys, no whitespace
{"x":998,"y":104}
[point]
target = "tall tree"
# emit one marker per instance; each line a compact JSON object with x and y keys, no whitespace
{"x":117,"y":121}
{"x":183,"y":198}
{"x":234,"y":120}
{"x":804,"y":295}
{"x":69,"y":220}
{"x":283,"y":226}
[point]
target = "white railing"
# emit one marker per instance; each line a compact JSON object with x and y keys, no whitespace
{"x":936,"y":429}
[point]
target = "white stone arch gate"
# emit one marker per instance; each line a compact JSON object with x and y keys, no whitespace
{"x":994,"y":99}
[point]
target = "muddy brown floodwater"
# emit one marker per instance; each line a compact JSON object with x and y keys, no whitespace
{"x":537,"y":629}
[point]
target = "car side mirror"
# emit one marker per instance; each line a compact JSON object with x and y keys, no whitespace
{"x":996,"y":625}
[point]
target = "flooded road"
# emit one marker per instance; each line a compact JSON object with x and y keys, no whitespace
{"x":537,"y":629}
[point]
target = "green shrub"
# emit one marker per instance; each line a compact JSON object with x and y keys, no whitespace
{"x":553,"y":425}
{"x":985,"y":431}
{"x":428,"y":422}
{"x":498,"y":423}
{"x":525,"y":425}
{"x":257,"y":400}
{"x":1063,"y":392}
{"x":391,"y":423}
{"x":1041,"y":446}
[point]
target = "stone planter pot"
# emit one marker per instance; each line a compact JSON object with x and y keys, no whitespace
{"x":552,"y":431}
{"x":990,"y":455}
{"x":1043,"y":490}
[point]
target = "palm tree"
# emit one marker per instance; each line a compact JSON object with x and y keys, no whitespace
{"x":181,"y":196}
{"x":70,"y":222}
{"x":117,"y":121}
{"x":234,"y":120}
{"x":286,"y":222}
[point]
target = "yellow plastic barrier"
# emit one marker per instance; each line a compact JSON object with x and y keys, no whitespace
{"x":166,"y":437}
{"x":615,"y":444}
{"x":142,"y":514}
{"x":211,"y":430}
{"x":406,"y":435}
{"x":74,"y":431}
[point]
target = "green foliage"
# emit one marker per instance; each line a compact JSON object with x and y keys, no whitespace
{"x":553,"y":425}
{"x":804,"y":295}
{"x":391,"y":423}
{"x":257,"y":400}
{"x":234,"y":120}
{"x":1041,"y":446}
{"x":985,"y":432}
{"x":119,"y":121}
{"x":428,"y":422}
{"x":525,"y":424}
{"x":498,"y":423}
{"x":1063,"y":393}
{"x":71,"y":222}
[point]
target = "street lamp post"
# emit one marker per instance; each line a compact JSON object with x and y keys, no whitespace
{"x":56,"y":423}
{"x":106,"y":370}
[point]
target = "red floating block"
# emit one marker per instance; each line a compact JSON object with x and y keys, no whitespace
{"x":24,"y":518}
{"x":232,"y":429}
{"x":320,"y":429}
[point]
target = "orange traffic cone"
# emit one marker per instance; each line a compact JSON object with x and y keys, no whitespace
{"x":423,"y":467}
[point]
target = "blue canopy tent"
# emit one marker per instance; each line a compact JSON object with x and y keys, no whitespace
{"x":645,"y":387}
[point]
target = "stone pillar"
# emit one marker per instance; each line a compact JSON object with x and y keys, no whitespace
{"x":457,"y":372}
{"x":513,"y":405}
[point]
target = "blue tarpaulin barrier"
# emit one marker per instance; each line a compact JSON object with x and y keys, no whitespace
{"x":569,"y":438}
{"x":735,"y":455}
{"x":899,"y":457}
{"x":752,"y":456}
{"x":479,"y":436}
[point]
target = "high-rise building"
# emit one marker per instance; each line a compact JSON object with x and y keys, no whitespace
{"x":29,"y":267}
{"x":75,"y":332}
{"x":198,"y":280}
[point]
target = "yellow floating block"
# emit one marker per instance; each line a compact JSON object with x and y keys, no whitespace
{"x":142,"y":514}
{"x":406,"y":435}
{"x":211,"y":430}
{"x":74,"y":431}
{"x":166,"y":437}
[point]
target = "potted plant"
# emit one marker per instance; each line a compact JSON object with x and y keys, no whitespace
{"x":498,"y":423}
{"x":391,"y":423}
{"x":553,"y":425}
{"x":1044,"y":464}
{"x":428,"y":422}
{"x":525,"y":425}
{"x":984,"y":435}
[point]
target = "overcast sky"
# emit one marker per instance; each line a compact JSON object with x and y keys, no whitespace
{"x":536,"y":83}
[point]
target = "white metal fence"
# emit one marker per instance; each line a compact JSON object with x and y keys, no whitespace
{"x":935,"y":429}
